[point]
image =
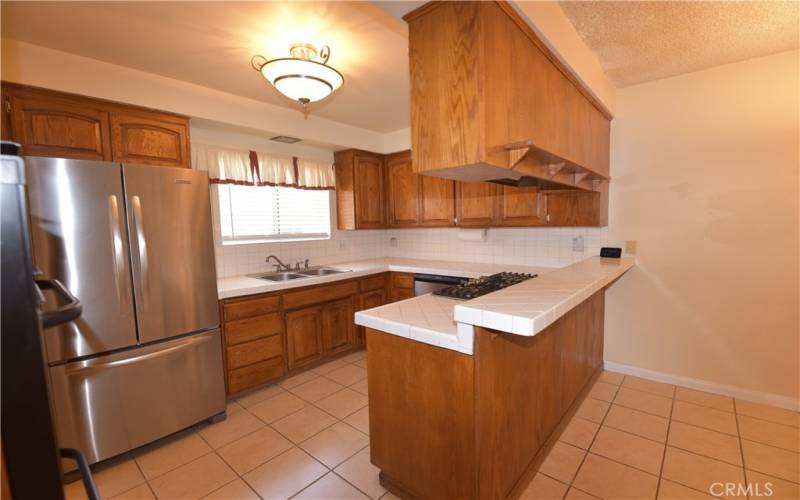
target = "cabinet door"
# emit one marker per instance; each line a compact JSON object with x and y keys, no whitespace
{"x":403,"y":191}
{"x":59,"y":127}
{"x":151,"y":140}
{"x":521,"y":206}
{"x":574,"y":208}
{"x":369,"y":188}
{"x":477,"y":204}
{"x":437,"y":206}
{"x":303,"y":341}
{"x":368,"y":300}
{"x":337,"y":325}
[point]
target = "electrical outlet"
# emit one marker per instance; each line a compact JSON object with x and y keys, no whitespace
{"x":630,"y":247}
{"x":393,"y":242}
{"x":577,"y":244}
{"x":342,"y":244}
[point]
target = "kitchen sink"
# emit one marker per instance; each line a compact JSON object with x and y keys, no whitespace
{"x":285,"y":276}
{"x":323,"y":271}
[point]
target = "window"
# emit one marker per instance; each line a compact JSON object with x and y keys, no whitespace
{"x":264,"y":213}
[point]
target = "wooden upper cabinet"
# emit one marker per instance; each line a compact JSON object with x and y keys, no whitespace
{"x":477,"y":204}
{"x":360,"y":190}
{"x":437,"y":201}
{"x":404,"y":192}
{"x":57,"y":127}
{"x":57,"y":124}
{"x":521,"y":206}
{"x":150,"y":140}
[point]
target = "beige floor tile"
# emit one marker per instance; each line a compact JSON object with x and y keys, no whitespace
{"x":390,"y":496}
{"x":335,"y":444}
{"x":651,"y":386}
{"x":579,"y":432}
{"x":141,"y":492}
{"x":360,"y":420}
{"x":195,"y":479}
{"x":593,"y":409}
{"x":303,"y":424}
{"x":252,"y":450}
{"x":705,"y":442}
{"x":355,"y":356}
{"x":361,"y":386}
{"x":643,"y":401}
{"x":668,"y":490}
{"x":763,"y":484}
{"x":360,"y":472}
{"x":635,"y":451}
{"x":285,"y":475}
{"x":778,"y":435}
{"x":170,"y":453}
{"x":112,"y":478}
{"x":576,"y":494}
{"x":347,"y":375}
{"x":770,"y":460}
{"x":232,"y":407}
{"x":603,"y":391}
{"x":330,"y":487}
{"x":607,"y":479}
{"x":698,"y":472}
{"x":343,"y":403}
{"x":701,"y":398}
{"x":771,"y":413}
{"x":235,"y":490}
{"x":232,"y":428}
{"x":277,"y":407}
{"x":329,"y":367}
{"x":544,"y":488}
{"x":637,"y":422}
{"x":316,"y":389}
{"x":611,"y":377}
{"x":562,"y":462}
{"x":703,"y":416}
{"x":299,"y":379}
{"x":260,"y":395}
{"x":362,"y":363}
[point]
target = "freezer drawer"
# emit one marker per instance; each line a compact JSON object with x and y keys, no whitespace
{"x":110,"y":404}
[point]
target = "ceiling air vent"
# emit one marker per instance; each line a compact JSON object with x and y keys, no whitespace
{"x":284,"y":138}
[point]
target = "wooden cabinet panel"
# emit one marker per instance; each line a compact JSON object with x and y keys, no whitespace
{"x":403,"y":280}
{"x":397,"y":294}
{"x":245,"y":330}
{"x":150,"y":140}
{"x":254,"y":375}
{"x":337,"y":325}
{"x":370,"y":206}
{"x":373,"y":283}
{"x":303,"y":342}
{"x":319,"y":294}
{"x":59,"y":127}
{"x":521,"y":206}
{"x":575,"y":208}
{"x":249,"y":307}
{"x":403,"y":187}
{"x":436,"y":201}
{"x":477,"y":204}
{"x":252,"y":352}
{"x":368,"y":300}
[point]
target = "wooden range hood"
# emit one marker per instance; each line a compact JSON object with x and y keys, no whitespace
{"x":489,"y":102}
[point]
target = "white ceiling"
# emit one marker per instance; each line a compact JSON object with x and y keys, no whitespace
{"x":642,"y":41}
{"x":211,"y":43}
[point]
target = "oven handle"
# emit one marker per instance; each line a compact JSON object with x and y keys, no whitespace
{"x":70,"y":311}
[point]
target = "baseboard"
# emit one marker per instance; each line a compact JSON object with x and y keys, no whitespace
{"x":704,"y":385}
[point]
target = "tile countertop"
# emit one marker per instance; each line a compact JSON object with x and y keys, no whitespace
{"x":239,"y":286}
{"x":523,"y":309}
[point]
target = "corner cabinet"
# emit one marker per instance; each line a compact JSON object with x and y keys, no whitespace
{"x":360,"y":190}
{"x":61,"y":125}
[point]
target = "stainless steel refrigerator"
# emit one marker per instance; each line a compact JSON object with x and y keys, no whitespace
{"x":133,"y":244}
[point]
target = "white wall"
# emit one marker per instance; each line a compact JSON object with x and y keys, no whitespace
{"x":705,"y":169}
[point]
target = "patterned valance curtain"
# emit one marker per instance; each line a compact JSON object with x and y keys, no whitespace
{"x":251,"y":168}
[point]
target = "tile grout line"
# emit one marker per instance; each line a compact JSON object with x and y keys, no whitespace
{"x":666,"y":442}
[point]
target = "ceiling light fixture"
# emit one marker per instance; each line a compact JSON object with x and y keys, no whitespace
{"x":305,"y":77}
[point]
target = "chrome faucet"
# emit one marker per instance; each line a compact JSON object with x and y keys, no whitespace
{"x":280,"y":265}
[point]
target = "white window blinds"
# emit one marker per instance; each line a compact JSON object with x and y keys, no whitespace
{"x":266,"y":213}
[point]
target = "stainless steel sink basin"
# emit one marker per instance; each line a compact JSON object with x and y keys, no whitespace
{"x":285,"y":276}
{"x":323,"y":271}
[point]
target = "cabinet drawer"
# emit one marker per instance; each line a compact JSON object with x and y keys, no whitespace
{"x":255,"y":351}
{"x":403,"y":281}
{"x":321,"y":294}
{"x":251,"y":307}
{"x":254,"y":375}
{"x":244,"y":330}
{"x":373,"y":283}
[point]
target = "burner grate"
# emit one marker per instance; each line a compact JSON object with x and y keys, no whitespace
{"x":481,"y":286}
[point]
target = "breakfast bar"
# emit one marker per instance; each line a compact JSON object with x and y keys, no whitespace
{"x":463,"y":400}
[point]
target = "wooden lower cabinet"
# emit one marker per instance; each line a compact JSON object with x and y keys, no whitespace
{"x":254,"y":375}
{"x":303,"y":339}
{"x":337,"y":325}
{"x":401,"y":286}
{"x":368,"y":300}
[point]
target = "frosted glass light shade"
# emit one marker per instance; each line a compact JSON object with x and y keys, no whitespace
{"x":302,"y":80}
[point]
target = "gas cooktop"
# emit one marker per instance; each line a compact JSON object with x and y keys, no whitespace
{"x":481,"y":286}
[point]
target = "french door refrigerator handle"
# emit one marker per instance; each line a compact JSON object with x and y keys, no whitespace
{"x":141,"y":248}
{"x":70,"y":311}
{"x":117,"y":253}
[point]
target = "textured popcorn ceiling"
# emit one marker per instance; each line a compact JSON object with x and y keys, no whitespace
{"x":641,"y":41}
